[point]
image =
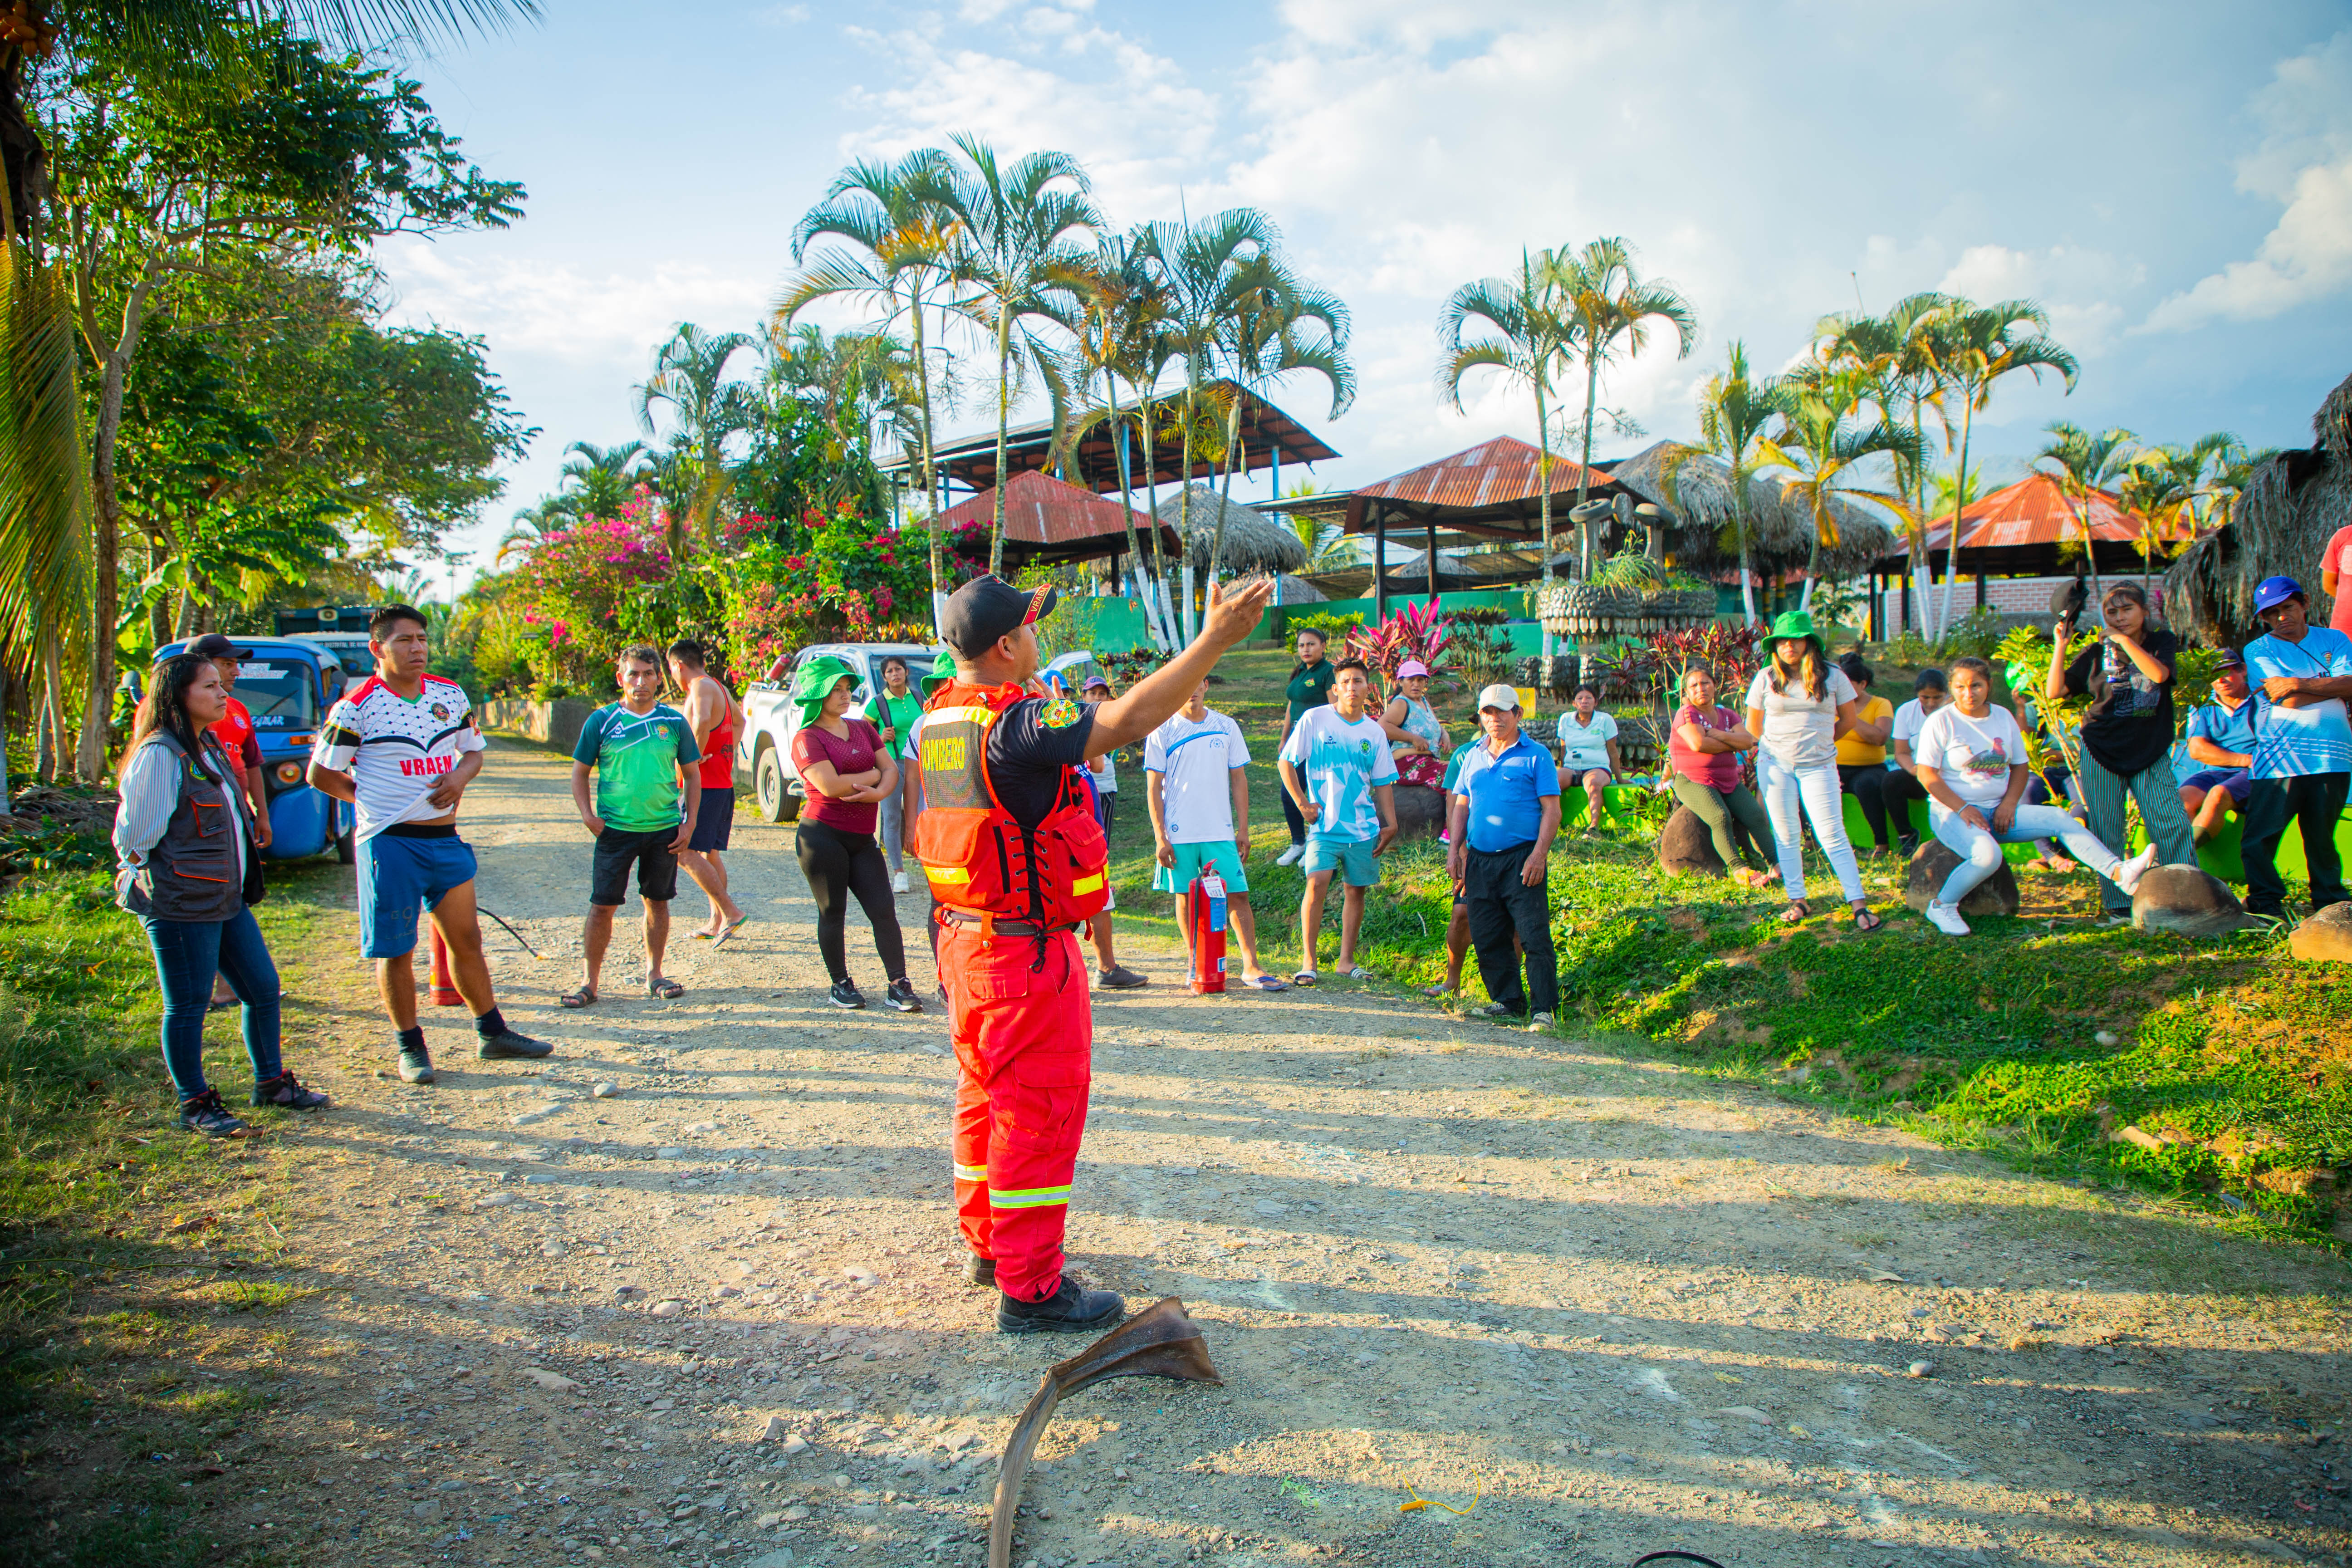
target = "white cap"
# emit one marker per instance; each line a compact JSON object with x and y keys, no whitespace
{"x":1500,"y":696}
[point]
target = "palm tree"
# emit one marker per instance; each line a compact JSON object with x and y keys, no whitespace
{"x":597,"y":480}
{"x":1013,"y":249}
{"x":899,"y":234}
{"x":1530,"y":338}
{"x":1901,"y":354}
{"x":706,"y":408}
{"x":1609,"y":301}
{"x":548,"y":514}
{"x":1733,"y":409}
{"x":44,"y":498}
{"x":2085,"y":466}
{"x":1977,"y":347}
{"x":1822,"y":441}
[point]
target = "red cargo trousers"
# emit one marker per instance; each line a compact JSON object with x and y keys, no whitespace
{"x":1024,"y":1054}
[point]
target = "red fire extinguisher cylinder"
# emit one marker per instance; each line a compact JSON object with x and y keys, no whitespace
{"x":1205,"y":918}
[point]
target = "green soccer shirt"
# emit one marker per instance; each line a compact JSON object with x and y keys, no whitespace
{"x":636,"y":758}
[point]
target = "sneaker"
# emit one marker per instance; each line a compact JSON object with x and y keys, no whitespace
{"x":899,"y":882}
{"x":1540,"y":1024}
{"x":1947,"y":919}
{"x":1118,"y":977}
{"x":844,"y":994}
{"x":286,"y":1092}
{"x":416,"y":1066}
{"x":978,"y":1270}
{"x":1488,"y":1010}
{"x":1071,"y":1310}
{"x":900,"y":997}
{"x":507,"y":1045}
{"x":1291,"y":855}
{"x":2128,"y":874}
{"x":207,"y":1115}
{"x":1908,"y":843}
{"x":2109,"y":919}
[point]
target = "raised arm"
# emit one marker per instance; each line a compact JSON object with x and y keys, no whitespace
{"x":1149,"y":702}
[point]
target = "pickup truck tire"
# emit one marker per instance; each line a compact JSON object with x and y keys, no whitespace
{"x":770,"y":790}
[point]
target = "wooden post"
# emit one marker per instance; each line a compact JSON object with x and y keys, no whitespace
{"x":1430,"y":541}
{"x":1980,"y":590}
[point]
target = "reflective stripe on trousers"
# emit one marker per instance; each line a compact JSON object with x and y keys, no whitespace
{"x":1025,"y":1053}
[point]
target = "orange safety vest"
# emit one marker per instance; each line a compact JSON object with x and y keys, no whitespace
{"x":980,"y":860}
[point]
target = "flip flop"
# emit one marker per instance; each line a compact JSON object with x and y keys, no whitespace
{"x":732,"y":927}
{"x":1871,"y":915}
{"x":1268,"y":982}
{"x":1305,"y":977}
{"x":1358,"y":973}
{"x":665,"y":989}
{"x":584,"y":997}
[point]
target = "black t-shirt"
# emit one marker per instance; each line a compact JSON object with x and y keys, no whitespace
{"x":2129,"y":727}
{"x":1032,"y":743}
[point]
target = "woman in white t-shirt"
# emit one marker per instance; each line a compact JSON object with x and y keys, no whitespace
{"x":1588,"y":751}
{"x":1971,"y":757}
{"x":1798,"y":706}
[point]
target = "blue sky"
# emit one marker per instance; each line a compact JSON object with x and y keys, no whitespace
{"x":2172,"y":181}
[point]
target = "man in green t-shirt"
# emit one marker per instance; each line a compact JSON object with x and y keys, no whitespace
{"x":1309,"y":687}
{"x":642,"y":756}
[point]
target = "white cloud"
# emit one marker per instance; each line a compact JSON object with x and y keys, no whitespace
{"x":2076,"y":287}
{"x":2304,"y":163}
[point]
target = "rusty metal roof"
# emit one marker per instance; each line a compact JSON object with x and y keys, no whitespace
{"x":2037,"y":511}
{"x":1045,"y":519}
{"x":1491,"y":488}
{"x":1093,"y":460}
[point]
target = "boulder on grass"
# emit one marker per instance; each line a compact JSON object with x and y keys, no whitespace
{"x":1686,"y":849}
{"x":1996,"y":895}
{"x":2187,"y":901}
{"x":2327,"y":934}
{"x":1420,"y":810}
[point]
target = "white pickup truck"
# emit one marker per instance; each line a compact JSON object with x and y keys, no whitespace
{"x":763,"y":751}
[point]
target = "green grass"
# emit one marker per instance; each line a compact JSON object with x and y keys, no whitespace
{"x":2232,"y":1053}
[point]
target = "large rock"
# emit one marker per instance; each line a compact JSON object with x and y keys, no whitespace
{"x":1996,"y":895}
{"x":2327,"y":934}
{"x":2187,"y":901}
{"x":1686,"y":849}
{"x":1420,"y":810}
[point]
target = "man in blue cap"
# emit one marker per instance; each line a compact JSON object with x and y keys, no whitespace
{"x":2301,"y":677}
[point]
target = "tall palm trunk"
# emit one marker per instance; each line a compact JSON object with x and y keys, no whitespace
{"x":1225,"y":484}
{"x":1959,"y":499}
{"x":1543,"y":508}
{"x":1126,"y":510}
{"x":1004,"y":413}
{"x":931,"y":497}
{"x":1584,"y":529}
{"x":1151,"y":510}
{"x":1184,"y":509}
{"x":1739,"y":524}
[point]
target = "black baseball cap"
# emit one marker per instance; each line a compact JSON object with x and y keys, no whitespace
{"x":987,"y":608}
{"x":212,"y":645}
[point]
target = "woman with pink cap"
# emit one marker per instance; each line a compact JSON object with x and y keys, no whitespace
{"x":1420,"y":739}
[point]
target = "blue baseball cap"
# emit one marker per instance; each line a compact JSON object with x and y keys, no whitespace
{"x":2273,"y":591}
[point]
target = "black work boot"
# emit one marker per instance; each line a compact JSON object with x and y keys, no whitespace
{"x":978,"y":1270}
{"x":1070,"y":1310}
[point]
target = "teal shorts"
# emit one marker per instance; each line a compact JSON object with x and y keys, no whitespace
{"x":1217,"y":858}
{"x":1351,"y":857}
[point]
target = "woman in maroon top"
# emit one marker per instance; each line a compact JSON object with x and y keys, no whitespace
{"x":1704,"y":750}
{"x":847,"y":771}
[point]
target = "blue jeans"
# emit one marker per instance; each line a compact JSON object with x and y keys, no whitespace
{"x":188,"y":953}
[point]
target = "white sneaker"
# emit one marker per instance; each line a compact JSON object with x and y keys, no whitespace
{"x":1540,"y":1024}
{"x":2128,"y":874}
{"x":1945,"y":919}
{"x":1290,"y":857}
{"x":898,"y":883}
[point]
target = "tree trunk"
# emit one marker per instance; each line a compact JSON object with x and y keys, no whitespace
{"x":1584,"y":529}
{"x":1152,"y":509}
{"x":1739,"y":526}
{"x":930,"y":498}
{"x":1004,"y":413}
{"x":1959,"y":502}
{"x":1184,"y":514}
{"x":1543,"y":512}
{"x":1126,"y":506}
{"x":1225,"y":464}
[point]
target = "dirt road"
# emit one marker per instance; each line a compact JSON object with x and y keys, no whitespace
{"x":1599,"y":1307}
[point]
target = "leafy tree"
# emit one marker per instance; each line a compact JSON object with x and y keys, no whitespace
{"x":706,"y":410}
{"x":1733,"y":410}
{"x":1602,"y":291}
{"x":1822,"y":439}
{"x":1118,"y":318}
{"x":1900,"y":354}
{"x":2084,"y":466}
{"x":1976,"y":348}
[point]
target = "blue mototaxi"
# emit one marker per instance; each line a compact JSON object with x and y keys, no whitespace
{"x":287,"y":684}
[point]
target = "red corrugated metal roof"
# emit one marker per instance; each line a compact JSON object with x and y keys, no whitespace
{"x":1040,"y":510}
{"x":2036,"y":510}
{"x":1492,"y":473}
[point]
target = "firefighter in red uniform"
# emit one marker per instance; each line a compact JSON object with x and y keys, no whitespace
{"x":1016,"y":863}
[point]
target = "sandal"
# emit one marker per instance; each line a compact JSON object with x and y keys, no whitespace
{"x":665,"y":989}
{"x":1795,"y":912}
{"x":1356,"y":972}
{"x":1267,"y":982}
{"x":732,"y":927}
{"x":1305,"y":977}
{"x":584,"y":997}
{"x":1866,"y":919}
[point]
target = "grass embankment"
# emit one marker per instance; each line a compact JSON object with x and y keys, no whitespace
{"x":2225,"y":1082}
{"x":135,"y":1261}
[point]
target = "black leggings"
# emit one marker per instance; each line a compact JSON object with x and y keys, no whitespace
{"x":1867,"y":784}
{"x":1292,"y":815}
{"x":841,"y":866}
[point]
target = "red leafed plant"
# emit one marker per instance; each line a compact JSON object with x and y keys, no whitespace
{"x":1734,"y":652}
{"x":1416,"y":631}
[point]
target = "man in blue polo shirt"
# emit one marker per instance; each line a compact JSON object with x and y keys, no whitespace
{"x":1503,"y":815}
{"x":2303,"y":747}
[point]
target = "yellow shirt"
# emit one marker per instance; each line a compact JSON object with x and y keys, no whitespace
{"x":1852,"y":753}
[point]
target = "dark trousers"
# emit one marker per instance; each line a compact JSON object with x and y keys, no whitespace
{"x":839,"y":867}
{"x":188,"y":953}
{"x":1867,"y":784}
{"x":1501,"y":906}
{"x":1290,"y":813}
{"x":2313,"y":803}
{"x":1895,"y":797}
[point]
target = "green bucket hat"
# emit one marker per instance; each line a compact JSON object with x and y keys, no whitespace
{"x":1793,"y":624}
{"x":942,"y":671}
{"x":814,"y":681}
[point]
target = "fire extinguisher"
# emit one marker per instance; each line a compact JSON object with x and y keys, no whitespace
{"x":445,"y":988}
{"x":1204,"y":921}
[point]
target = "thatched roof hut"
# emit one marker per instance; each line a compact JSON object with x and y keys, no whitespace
{"x":1695,"y":487}
{"x":1254,"y":542}
{"x":2291,"y":507}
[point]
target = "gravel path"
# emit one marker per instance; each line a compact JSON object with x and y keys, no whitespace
{"x":709,"y":1313}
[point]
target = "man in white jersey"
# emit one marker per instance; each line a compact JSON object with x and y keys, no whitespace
{"x":402,"y":748}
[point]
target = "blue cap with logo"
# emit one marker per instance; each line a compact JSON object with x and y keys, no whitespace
{"x":2273,"y":591}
